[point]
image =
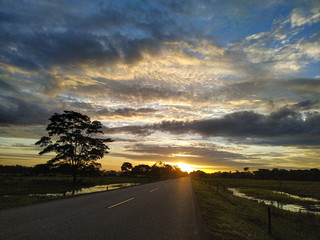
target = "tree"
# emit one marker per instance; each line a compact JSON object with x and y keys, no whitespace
{"x":74,"y":142}
{"x":158,"y":169}
{"x":141,"y":169}
{"x":126,"y":167}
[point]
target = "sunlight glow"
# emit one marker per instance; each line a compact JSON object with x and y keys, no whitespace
{"x":186,"y":167}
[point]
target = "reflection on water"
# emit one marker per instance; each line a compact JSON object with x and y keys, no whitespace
{"x":298,"y":197}
{"x":98,"y":188}
{"x":315,"y":209}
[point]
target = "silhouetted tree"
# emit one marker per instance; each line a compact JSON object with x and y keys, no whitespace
{"x":110,"y":173}
{"x":41,"y":169}
{"x":74,"y":143}
{"x":15,"y":170}
{"x":158,"y":169}
{"x":126,"y":167}
{"x":198,"y":174}
{"x":141,"y":169}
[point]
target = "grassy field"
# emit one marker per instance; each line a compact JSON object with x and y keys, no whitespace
{"x":15,"y":190}
{"x":231,"y":217}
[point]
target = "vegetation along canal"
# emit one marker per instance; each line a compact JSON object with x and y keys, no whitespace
{"x":312,"y":206}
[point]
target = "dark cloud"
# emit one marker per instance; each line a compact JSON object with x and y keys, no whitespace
{"x":136,"y":130}
{"x":286,"y":141}
{"x":304,"y":105}
{"x":99,"y":110}
{"x":45,"y":37}
{"x":22,"y":131}
{"x":126,"y":112}
{"x":40,"y":50}
{"x":7,"y":87}
{"x":246,"y":124}
{"x":19,"y":146}
{"x":17,"y":111}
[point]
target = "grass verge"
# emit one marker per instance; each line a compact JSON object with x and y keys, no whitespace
{"x":231,"y":217}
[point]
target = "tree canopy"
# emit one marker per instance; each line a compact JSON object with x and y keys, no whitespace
{"x":126,"y":167}
{"x":71,"y":138}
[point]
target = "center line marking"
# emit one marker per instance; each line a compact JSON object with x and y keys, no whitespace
{"x":121,"y":202}
{"x":154,"y":190}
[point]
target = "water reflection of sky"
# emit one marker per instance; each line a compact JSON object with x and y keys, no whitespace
{"x":314,"y":208}
{"x":98,"y":188}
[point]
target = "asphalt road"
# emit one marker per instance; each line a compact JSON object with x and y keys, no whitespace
{"x":162,"y":210}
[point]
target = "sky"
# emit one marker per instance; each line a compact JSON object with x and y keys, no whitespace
{"x":216,"y":85}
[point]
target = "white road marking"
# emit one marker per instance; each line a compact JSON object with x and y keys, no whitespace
{"x":154,"y":190}
{"x":121,"y":202}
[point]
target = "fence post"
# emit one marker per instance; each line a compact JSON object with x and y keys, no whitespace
{"x":269,"y":220}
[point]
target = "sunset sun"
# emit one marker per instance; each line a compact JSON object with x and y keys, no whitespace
{"x":186,"y":167}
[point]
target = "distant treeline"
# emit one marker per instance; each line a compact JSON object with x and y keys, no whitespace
{"x":45,"y":169}
{"x":266,"y":174}
{"x":159,"y":170}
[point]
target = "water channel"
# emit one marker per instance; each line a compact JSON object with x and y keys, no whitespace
{"x":314,"y":208}
{"x":98,"y":188}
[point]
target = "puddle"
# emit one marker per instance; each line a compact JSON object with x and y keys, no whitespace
{"x":314,"y":209}
{"x":98,"y":188}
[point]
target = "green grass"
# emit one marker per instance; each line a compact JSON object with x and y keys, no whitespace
{"x":231,"y":217}
{"x":20,"y":187}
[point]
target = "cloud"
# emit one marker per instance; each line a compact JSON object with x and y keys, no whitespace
{"x":159,"y":44}
{"x":243,"y":95}
{"x":134,"y":91}
{"x":301,"y":17}
{"x":287,"y":47}
{"x":305,"y":105}
{"x":164,"y":53}
{"x":311,"y":49}
{"x":126,"y":112}
{"x":20,"y":131}
{"x":197,"y":155}
{"x":94,"y":36}
{"x":17,"y":111}
{"x":47,"y":49}
{"x":246,"y":124}
{"x":230,"y":72}
{"x":7,"y":87}
{"x":249,"y":124}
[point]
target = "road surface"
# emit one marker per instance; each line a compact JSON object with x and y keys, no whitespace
{"x":162,"y":210}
